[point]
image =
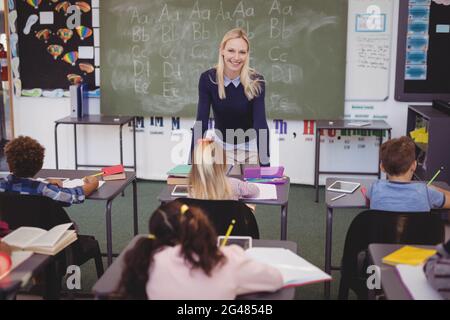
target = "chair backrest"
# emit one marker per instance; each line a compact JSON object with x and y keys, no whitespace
{"x":29,"y":210}
{"x":373,"y":226}
{"x":221,"y":212}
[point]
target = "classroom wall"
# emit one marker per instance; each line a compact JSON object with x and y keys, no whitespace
{"x":156,"y":144}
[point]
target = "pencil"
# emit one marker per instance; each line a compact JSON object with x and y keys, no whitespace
{"x":434,"y":177}
{"x":230,"y":228}
{"x":95,"y":175}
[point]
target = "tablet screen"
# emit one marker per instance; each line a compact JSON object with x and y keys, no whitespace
{"x":181,"y":191}
{"x":243,"y":241}
{"x":344,"y":186}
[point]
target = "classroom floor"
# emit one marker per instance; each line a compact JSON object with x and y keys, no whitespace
{"x":306,"y":226}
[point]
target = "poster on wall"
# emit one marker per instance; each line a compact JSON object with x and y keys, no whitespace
{"x":54,"y":46}
{"x":423,"y":66}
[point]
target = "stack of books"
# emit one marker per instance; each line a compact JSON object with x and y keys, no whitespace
{"x":179,"y":175}
{"x":114,"y":173}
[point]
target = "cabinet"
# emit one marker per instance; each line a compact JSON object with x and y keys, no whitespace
{"x":435,"y":154}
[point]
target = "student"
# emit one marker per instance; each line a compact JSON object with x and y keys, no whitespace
{"x":437,"y":270}
{"x":25,"y":157}
{"x":398,"y":192}
{"x":235,"y":92}
{"x":180,"y":259}
{"x":208,"y":179}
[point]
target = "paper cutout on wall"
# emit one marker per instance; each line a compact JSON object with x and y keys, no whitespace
{"x":43,"y":34}
{"x":84,"y":32}
{"x":86,"y":67}
{"x":62,"y":6}
{"x":71,"y":57}
{"x":32,"y":19}
{"x":65,"y":34}
{"x":74,"y":78}
{"x":85,"y":7}
{"x":55,"y":50}
{"x":34,"y":3}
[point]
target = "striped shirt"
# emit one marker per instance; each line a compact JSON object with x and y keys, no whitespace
{"x":437,"y":270}
{"x":66,"y":196}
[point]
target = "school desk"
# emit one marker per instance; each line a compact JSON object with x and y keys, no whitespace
{"x":34,"y":265}
{"x":97,"y":120}
{"x":354,"y":200}
{"x":390,"y":280}
{"x":108,"y":192}
{"x":106,"y":286}
{"x":282,"y":200}
{"x":378,"y":126}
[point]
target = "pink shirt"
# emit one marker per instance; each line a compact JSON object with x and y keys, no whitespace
{"x":172,"y":278}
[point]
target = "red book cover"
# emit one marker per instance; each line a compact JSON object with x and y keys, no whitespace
{"x":113,"y":170}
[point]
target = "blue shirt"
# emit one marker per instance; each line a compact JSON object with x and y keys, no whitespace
{"x":404,"y":196}
{"x":233,"y":112}
{"x":66,"y":196}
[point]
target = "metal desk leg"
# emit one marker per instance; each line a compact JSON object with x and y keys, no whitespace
{"x":135,"y":210}
{"x":328,"y":244}
{"x":379,"y":147}
{"x":316,"y":165}
{"x":134,"y":142}
{"x":121,"y":145}
{"x":108,"y":232}
{"x":284,"y":213}
{"x":76,"y":148}
{"x":56,"y":145}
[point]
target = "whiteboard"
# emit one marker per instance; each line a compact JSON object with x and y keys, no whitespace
{"x":368,"y":50}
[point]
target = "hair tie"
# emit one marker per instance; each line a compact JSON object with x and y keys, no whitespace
{"x":151,"y":236}
{"x":184,"y":208}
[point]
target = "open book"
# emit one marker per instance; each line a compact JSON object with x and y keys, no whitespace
{"x":41,"y":241}
{"x":295,"y":270}
{"x":414,"y":280}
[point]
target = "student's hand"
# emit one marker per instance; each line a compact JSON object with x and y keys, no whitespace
{"x":55,"y":182}
{"x":91,"y":180}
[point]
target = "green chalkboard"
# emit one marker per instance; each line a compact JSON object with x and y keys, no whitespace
{"x":153,"y":52}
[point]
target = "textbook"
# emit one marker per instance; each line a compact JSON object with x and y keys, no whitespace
{"x":177,"y":180}
{"x":295,"y":270}
{"x":117,"y":176}
{"x":41,"y":241}
{"x":181,"y":170}
{"x":408,"y":255}
{"x":107,"y":171}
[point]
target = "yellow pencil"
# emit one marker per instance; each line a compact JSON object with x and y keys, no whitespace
{"x":230,"y":228}
{"x":94,"y":175}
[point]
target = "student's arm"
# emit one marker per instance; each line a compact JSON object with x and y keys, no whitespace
{"x":446,"y":196}
{"x":90,"y":185}
{"x":251,"y":275}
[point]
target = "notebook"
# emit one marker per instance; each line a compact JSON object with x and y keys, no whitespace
{"x":408,"y":255}
{"x":415,"y":282}
{"x":295,"y":270}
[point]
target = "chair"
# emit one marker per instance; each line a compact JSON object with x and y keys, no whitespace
{"x":373,"y":226}
{"x":221,"y":212}
{"x":37,"y":211}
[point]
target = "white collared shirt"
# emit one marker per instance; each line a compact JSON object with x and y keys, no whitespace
{"x":236,"y":81}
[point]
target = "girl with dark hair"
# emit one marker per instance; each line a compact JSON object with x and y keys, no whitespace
{"x":180,"y":259}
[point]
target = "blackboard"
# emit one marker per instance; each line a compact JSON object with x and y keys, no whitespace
{"x":153,"y":53}
{"x":423,"y":51}
{"x":38,"y":67}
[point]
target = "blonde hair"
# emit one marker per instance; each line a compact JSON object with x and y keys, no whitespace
{"x":249,"y":79}
{"x":208,"y":178}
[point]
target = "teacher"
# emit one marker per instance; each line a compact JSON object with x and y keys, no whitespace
{"x":236,"y":94}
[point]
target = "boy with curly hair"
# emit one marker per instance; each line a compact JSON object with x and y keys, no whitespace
{"x":25,"y":157}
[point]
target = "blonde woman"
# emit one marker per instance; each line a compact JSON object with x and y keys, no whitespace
{"x":208,"y":178}
{"x":236,"y":94}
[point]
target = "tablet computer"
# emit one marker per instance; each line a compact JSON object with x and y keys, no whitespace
{"x":180,"y":191}
{"x":243,"y":241}
{"x":343,"y":186}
